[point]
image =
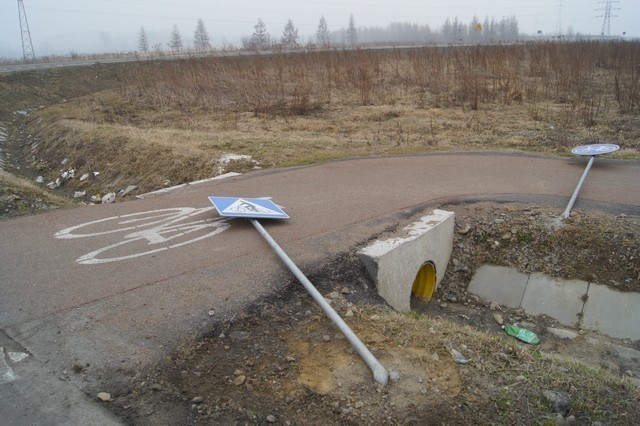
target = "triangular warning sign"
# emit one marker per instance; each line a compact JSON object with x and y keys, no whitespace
{"x":247,"y":207}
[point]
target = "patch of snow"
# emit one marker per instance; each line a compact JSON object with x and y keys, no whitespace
{"x":227,"y":158}
{"x":223,"y":161}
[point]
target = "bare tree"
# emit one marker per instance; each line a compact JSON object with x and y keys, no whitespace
{"x":323,"y":37}
{"x":290,"y":36}
{"x":260,"y":39}
{"x":352,"y":32}
{"x":143,"y":40}
{"x":175,"y":43}
{"x":201,"y":37}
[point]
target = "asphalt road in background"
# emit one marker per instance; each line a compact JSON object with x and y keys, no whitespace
{"x":116,"y":286}
{"x":82,"y":63}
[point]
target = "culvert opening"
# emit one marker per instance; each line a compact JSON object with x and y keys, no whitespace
{"x":425,"y":282}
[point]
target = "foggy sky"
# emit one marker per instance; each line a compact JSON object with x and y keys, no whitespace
{"x":63,"y":26}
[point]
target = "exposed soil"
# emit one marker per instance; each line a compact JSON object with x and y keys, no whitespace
{"x":282,"y":361}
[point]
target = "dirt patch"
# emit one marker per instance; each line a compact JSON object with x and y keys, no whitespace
{"x":282,"y":361}
{"x":262,"y":368}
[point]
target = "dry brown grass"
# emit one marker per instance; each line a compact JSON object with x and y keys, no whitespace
{"x":509,"y":390}
{"x":289,"y":109}
{"x":469,"y":77}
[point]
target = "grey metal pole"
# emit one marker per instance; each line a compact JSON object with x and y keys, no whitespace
{"x":380,"y":374}
{"x":567,"y":211}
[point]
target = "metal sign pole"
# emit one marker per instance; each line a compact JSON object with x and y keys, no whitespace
{"x":592,"y":151}
{"x":567,"y":211}
{"x":380,"y":374}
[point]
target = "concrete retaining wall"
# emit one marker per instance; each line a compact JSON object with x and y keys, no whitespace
{"x":572,"y":302}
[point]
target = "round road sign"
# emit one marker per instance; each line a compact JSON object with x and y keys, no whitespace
{"x":595,"y":149}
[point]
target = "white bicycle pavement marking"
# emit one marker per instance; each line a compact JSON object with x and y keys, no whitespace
{"x":166,"y":225}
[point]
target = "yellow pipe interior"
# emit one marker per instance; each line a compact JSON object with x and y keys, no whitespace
{"x":425,"y":282}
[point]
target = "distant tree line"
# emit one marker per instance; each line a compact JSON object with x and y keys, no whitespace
{"x":261,"y":39}
{"x":200,"y":39}
{"x":453,"y":31}
{"x":475,"y":31}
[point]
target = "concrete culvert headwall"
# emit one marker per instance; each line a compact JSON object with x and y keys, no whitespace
{"x":413,"y":262}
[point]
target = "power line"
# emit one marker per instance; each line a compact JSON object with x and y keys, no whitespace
{"x":324,"y":3}
{"x":27,"y":45}
{"x":241,"y":21}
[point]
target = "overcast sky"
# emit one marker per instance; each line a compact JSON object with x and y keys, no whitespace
{"x":62,"y":26}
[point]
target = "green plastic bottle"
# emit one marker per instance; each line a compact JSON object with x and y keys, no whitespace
{"x":522,"y":334}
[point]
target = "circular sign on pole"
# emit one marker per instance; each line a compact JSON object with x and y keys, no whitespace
{"x":595,"y":149}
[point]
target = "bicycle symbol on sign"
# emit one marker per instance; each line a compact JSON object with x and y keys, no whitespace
{"x":147,"y":232}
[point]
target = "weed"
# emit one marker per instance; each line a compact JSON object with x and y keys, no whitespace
{"x":523,"y":237}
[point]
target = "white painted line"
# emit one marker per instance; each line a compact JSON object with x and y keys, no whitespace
{"x":162,"y":191}
{"x":4,"y":134}
{"x":18,"y":356}
{"x":220,"y":177}
{"x":196,"y":182}
{"x":6,"y":373}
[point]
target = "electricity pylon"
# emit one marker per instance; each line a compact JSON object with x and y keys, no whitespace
{"x":606,"y":23}
{"x":27,"y":45}
{"x":559,"y":24}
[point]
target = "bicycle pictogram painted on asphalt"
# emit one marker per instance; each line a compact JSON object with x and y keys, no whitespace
{"x":147,"y":232}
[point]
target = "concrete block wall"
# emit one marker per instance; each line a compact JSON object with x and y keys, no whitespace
{"x":573,"y":303}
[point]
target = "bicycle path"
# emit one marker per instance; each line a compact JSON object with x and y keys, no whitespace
{"x":111,"y":285}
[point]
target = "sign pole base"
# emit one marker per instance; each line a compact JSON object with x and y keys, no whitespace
{"x":572,"y":201}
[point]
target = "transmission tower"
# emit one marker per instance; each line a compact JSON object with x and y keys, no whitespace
{"x":27,"y":45}
{"x":607,"y":8}
{"x":559,"y":23}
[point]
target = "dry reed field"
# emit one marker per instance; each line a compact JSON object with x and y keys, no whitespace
{"x":172,"y":120}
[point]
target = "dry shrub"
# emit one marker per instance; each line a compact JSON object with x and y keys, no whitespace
{"x":581,"y":74}
{"x":627,"y":77}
